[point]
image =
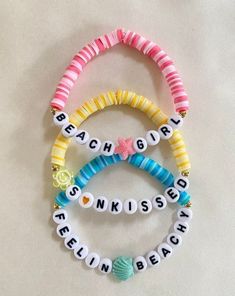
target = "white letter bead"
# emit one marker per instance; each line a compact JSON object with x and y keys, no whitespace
{"x":152,"y":137}
{"x":145,"y":206}
{"x":100,"y":204}
{"x":164,"y":250}
{"x":181,"y":183}
{"x":93,"y":144}
{"x":60,"y":118}
{"x":140,"y":264}
{"x":153,"y":259}
{"x":175,"y":121}
{"x":140,"y":145}
{"x":81,"y":137}
{"x":159,"y":202}
{"x":69,"y":130}
{"x":181,"y":227}
{"x":73,"y":192}
{"x":115,"y":206}
{"x":86,"y":200}
{"x":92,"y":260}
{"x":60,"y":216}
{"x":174,"y":240}
{"x":185,"y":214}
{"x":165,"y":131}
{"x":63,"y":230}
{"x":81,"y":251}
{"x":107,"y":148}
{"x":105,"y":265}
{"x":71,"y":242}
{"x":130,"y":206}
{"x":171,"y":194}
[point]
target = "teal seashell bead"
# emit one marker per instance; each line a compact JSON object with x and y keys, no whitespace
{"x":123,"y":268}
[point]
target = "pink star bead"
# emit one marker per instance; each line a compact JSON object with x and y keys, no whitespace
{"x":125,"y":147}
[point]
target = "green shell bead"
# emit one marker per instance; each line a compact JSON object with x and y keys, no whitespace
{"x":123,"y":268}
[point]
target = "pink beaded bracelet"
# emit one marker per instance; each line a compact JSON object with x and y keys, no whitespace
{"x":132,"y":39}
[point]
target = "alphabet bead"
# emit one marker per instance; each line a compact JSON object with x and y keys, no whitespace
{"x":115,"y":206}
{"x":181,"y":183}
{"x":171,"y":194}
{"x":159,"y":202}
{"x":107,"y":148}
{"x":153,"y":259}
{"x":145,"y":206}
{"x":73,"y":192}
{"x":81,"y":137}
{"x":174,"y":240}
{"x":60,"y":216}
{"x":185,"y":214}
{"x":100,"y":204}
{"x":140,"y":264}
{"x":165,"y":131}
{"x":175,"y":121}
{"x":152,"y":137}
{"x":92,"y":260}
{"x":164,"y":250}
{"x":69,"y":130}
{"x":181,"y":227}
{"x":140,"y":145}
{"x":60,"y":118}
{"x":63,"y":230}
{"x":93,"y":144}
{"x":105,"y":265}
{"x":86,"y":200}
{"x":130,"y":206}
{"x":81,"y":251}
{"x":71,"y":241}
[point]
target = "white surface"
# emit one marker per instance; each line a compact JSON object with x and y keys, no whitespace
{"x":38,"y":39}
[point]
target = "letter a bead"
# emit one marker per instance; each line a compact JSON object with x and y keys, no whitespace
{"x":164,"y":250}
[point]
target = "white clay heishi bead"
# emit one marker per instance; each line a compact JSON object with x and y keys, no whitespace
{"x":81,"y":251}
{"x":159,"y":202}
{"x":100,"y":204}
{"x":185,"y":214}
{"x":181,"y":227}
{"x":115,"y":206}
{"x":93,"y":144}
{"x":140,"y":145}
{"x":145,"y":206}
{"x":92,"y":260}
{"x":105,"y":265}
{"x":71,"y":242}
{"x":60,"y":118}
{"x":164,"y":250}
{"x":165,"y":131}
{"x":63,"y":230}
{"x":171,"y":194}
{"x":69,"y":130}
{"x":107,"y":148}
{"x":81,"y":137}
{"x":152,"y":137}
{"x":73,"y":192}
{"x":60,"y":216}
{"x":140,"y":264}
{"x":86,"y":200}
{"x":174,"y":240}
{"x":153,"y":258}
{"x":130,"y":206}
{"x":181,"y":183}
{"x":175,"y":121}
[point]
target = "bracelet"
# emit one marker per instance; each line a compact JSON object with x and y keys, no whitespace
{"x":174,"y":192}
{"x":134,"y":40}
{"x":121,"y":97}
{"x":123,"y":267}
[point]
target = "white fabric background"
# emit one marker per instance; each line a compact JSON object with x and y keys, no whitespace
{"x":38,"y":40}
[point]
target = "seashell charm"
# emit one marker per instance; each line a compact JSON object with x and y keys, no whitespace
{"x":123,"y":268}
